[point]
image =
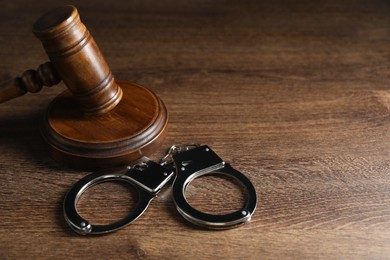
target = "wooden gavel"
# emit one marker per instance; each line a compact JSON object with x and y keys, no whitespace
{"x":98,"y":122}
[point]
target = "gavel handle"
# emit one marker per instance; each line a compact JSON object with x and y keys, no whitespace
{"x":30,"y":81}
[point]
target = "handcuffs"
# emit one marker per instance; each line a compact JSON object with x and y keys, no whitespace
{"x":148,"y":177}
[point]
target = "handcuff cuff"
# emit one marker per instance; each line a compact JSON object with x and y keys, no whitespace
{"x":148,"y":178}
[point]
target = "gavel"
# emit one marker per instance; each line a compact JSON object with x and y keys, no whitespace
{"x":98,"y":122}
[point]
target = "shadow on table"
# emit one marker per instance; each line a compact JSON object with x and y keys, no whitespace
{"x":20,"y":137}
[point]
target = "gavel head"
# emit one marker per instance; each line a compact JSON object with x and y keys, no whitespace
{"x":99,"y":122}
{"x":78,"y":60}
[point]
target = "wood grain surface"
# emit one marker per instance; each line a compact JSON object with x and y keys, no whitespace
{"x":295,"y":94}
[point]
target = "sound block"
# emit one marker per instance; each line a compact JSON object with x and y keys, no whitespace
{"x":136,"y":127}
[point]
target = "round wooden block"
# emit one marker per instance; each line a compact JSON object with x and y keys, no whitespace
{"x":134,"y":128}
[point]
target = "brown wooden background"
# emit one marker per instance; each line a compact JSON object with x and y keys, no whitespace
{"x":295,"y":94}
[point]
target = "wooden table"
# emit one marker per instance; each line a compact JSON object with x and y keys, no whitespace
{"x":295,"y":94}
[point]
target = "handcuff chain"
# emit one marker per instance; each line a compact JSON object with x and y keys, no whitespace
{"x":167,"y":159}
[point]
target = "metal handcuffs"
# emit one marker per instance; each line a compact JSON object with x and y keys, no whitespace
{"x":148,"y":177}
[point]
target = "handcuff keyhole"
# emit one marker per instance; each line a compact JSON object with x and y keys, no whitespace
{"x":216,"y":194}
{"x":186,"y":163}
{"x":107,"y":202}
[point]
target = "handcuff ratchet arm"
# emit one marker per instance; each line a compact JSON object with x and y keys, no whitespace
{"x":147,"y":178}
